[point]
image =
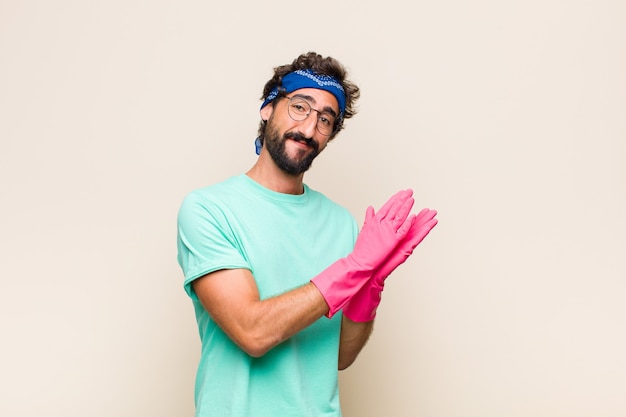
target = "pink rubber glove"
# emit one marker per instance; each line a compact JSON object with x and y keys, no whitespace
{"x":379,"y":236}
{"x":362,"y":306}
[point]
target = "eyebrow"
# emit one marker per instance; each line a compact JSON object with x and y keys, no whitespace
{"x":326,"y":109}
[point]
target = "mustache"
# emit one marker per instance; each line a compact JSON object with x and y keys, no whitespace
{"x":303,"y":139}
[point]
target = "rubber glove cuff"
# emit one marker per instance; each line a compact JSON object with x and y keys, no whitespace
{"x":339,"y":282}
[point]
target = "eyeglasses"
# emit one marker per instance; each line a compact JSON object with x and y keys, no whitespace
{"x":299,"y":109}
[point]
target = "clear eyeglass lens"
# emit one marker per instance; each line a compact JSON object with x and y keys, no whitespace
{"x":300,"y":109}
{"x":325,"y":123}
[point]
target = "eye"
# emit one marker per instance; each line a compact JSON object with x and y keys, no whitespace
{"x":326,"y":119}
{"x":300,"y":107}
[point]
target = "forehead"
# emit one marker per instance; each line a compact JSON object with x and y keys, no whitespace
{"x":321,"y":99}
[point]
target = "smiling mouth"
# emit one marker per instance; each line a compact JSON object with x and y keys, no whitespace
{"x":308,"y":143}
{"x":302,"y":142}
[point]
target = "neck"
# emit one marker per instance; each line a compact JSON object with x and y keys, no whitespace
{"x":266,"y":173}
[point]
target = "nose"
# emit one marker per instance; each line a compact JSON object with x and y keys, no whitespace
{"x":309,"y":125}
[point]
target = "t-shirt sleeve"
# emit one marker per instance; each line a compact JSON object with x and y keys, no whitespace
{"x":205,"y":241}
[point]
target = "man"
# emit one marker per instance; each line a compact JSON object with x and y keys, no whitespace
{"x":270,"y":263}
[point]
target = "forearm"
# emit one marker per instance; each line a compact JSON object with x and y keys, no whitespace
{"x":232,"y":299}
{"x":353,"y":337}
{"x":269,"y":322}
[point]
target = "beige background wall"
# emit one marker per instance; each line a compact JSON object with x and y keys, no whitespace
{"x":507,"y":117}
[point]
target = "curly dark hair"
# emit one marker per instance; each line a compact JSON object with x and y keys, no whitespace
{"x":322,"y":66}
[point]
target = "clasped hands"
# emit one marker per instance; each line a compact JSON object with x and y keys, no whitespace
{"x":387,"y":238}
{"x":410,"y":231}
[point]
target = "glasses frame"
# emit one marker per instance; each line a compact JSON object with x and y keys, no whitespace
{"x":311,"y":109}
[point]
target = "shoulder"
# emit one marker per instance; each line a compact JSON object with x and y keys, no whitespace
{"x":215,"y":192}
{"x":225,"y":187}
{"x":209,"y":199}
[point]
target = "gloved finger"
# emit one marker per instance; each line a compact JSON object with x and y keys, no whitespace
{"x":423,"y":231}
{"x":402,"y":213}
{"x":406,"y":227}
{"x":369,"y":214}
{"x":398,"y":212}
{"x":416,"y":234}
{"x":391,"y":206}
{"x":426,"y":215}
{"x":423,"y":213}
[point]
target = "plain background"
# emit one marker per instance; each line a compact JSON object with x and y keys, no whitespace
{"x":506,"y":117}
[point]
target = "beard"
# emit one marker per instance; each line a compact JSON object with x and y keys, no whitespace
{"x":275,"y":143}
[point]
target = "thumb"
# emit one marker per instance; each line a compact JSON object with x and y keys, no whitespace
{"x":369,"y":214}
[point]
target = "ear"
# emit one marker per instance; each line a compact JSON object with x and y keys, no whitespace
{"x":267,"y":111}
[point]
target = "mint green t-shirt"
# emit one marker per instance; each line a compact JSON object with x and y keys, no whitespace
{"x":284,"y":240}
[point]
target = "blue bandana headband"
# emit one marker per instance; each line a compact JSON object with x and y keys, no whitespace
{"x":308,"y":79}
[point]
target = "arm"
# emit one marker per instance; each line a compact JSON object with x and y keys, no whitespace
{"x":232,"y":299}
{"x":358,"y":315}
{"x":353,"y":337}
